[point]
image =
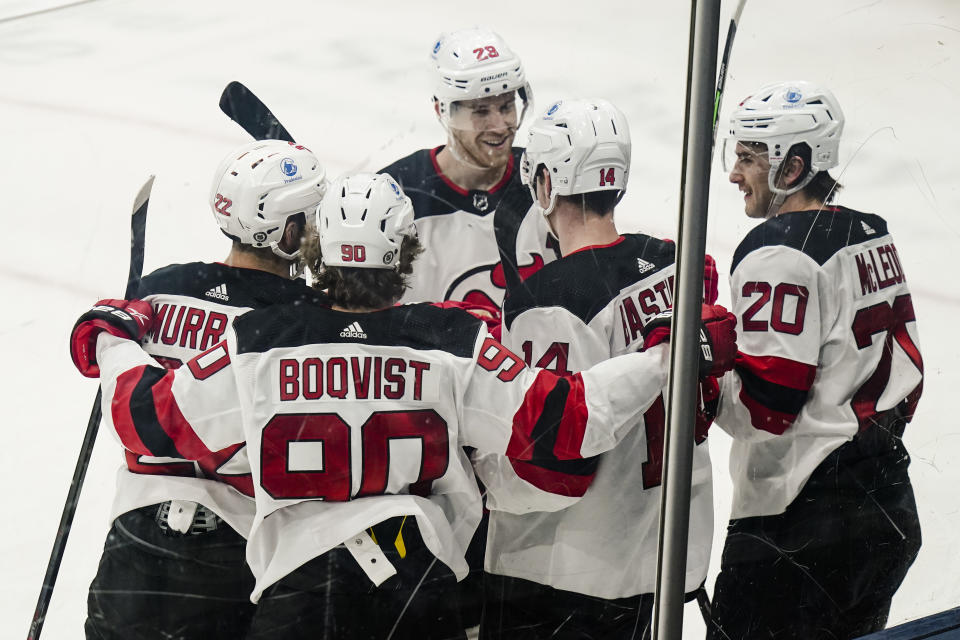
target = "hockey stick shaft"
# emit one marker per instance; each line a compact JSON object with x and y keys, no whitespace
{"x":243,"y":107}
{"x":724,"y":62}
{"x":138,"y":223}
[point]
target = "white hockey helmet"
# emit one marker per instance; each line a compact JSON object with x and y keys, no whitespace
{"x":362,"y":221}
{"x":584,"y":144}
{"x":261,"y":184}
{"x":784,"y":114}
{"x":475,"y":63}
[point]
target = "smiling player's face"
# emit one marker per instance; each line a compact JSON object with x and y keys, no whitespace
{"x":484,"y":129}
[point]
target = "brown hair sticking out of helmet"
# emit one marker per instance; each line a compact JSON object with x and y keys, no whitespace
{"x":354,"y":288}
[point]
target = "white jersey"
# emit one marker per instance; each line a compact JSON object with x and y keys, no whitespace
{"x":827,"y":341}
{"x":194,"y":304}
{"x":354,"y":418}
{"x":583,"y":309}
{"x":460,"y":231}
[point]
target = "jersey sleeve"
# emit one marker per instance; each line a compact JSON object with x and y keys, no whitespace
{"x":549,"y":426}
{"x":777,"y":299}
{"x":186,"y":413}
{"x":554,"y":339}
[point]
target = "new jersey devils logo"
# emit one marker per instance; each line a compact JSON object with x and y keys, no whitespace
{"x":480,"y":283}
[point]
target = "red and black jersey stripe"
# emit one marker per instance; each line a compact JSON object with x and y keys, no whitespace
{"x":548,"y":432}
{"x":774,"y":390}
{"x":147,"y":418}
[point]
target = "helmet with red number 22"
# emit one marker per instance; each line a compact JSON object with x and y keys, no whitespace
{"x":259,"y":185}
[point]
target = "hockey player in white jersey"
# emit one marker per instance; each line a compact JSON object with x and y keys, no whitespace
{"x":174,"y":562}
{"x":824,"y":524}
{"x":356,"y":416}
{"x":589,"y":571}
{"x":472,"y":248}
{"x":481,"y":94}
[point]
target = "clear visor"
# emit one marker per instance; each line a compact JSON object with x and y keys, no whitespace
{"x":500,"y":114}
{"x":733,"y":152}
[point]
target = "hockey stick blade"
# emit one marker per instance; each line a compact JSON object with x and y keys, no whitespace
{"x":138,"y":229}
{"x":138,"y":223}
{"x":247,"y":110}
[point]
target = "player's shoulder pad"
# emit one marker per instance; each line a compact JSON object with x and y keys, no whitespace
{"x":584,"y":282}
{"x":819,"y":234}
{"x":417,"y":326}
{"x":422,"y":182}
{"x":230,"y":286}
{"x":409,"y":169}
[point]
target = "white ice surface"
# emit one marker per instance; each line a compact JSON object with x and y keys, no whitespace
{"x":96,"y":96}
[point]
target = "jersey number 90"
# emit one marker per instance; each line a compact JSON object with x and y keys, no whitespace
{"x":330,"y":474}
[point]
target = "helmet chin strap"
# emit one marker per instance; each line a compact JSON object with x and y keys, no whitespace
{"x":779,"y":195}
{"x":277,"y":251}
{"x":545,"y":212}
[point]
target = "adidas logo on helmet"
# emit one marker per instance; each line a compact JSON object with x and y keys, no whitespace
{"x":353,"y":331}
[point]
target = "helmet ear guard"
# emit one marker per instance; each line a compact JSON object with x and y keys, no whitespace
{"x":362,"y":222}
{"x":259,"y":185}
{"x":785,"y":114}
{"x":585,"y":147}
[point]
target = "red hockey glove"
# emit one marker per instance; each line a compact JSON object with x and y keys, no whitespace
{"x":122,"y":318}
{"x":711,"y":279}
{"x":718,"y":338}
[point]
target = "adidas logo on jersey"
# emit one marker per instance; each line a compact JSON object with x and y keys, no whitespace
{"x":353,"y":331}
{"x":219,"y":292}
{"x":867,"y":228}
{"x":644,"y":266}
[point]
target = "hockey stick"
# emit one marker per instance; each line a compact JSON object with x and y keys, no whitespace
{"x":138,"y":222}
{"x":724,"y":61}
{"x":243,"y":107}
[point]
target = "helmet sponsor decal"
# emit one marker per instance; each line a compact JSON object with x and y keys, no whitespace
{"x":289,"y":167}
{"x":396,"y":189}
{"x":436,"y":46}
{"x":552,"y":110}
{"x":793,"y":95}
{"x":496,"y":76}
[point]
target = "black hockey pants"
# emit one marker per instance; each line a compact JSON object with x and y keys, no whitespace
{"x":826,"y":568}
{"x":331,"y":598}
{"x":153,"y":585}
